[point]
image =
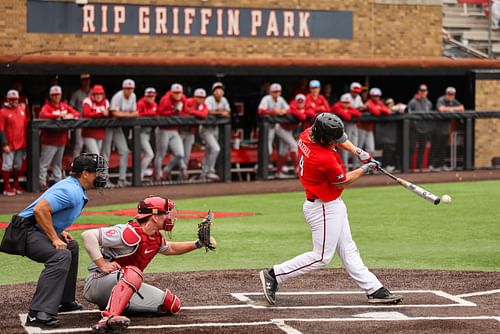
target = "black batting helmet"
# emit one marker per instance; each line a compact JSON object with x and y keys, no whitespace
{"x":327,"y":129}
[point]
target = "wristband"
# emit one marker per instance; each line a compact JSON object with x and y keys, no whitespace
{"x":198,"y":244}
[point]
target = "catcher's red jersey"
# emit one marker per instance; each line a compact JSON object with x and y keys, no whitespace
{"x":320,"y":168}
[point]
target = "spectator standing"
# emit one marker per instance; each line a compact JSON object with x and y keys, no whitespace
{"x":76,"y":101}
{"x":273,"y":105}
{"x":316,"y":101}
{"x":47,"y":241}
{"x":375,"y":107}
{"x":440,"y":136}
{"x":147,"y":107}
{"x":173,"y":103}
{"x":195,"y":106}
{"x":123,"y":105}
{"x":95,"y":106}
{"x":356,"y":102}
{"x":218,"y":106}
{"x":54,"y":141}
{"x":421,"y":130}
{"x":13,"y":124}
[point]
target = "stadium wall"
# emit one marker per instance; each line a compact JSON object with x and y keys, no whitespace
{"x":487,"y":134}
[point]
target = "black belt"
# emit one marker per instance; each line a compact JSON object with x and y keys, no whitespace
{"x":311,"y":200}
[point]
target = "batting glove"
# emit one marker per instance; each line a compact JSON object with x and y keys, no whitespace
{"x":364,"y":156}
{"x":370,"y":166}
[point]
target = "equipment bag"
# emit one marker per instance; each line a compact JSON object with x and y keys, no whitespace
{"x":16,"y":234}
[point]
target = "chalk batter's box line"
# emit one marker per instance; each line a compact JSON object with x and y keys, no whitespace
{"x":244,"y":298}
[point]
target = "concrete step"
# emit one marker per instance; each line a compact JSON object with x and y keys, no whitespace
{"x":480,"y":35}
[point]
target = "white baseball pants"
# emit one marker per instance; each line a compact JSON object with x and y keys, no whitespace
{"x":330,"y":233}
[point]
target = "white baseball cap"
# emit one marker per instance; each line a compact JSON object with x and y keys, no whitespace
{"x":150,"y":91}
{"x":356,"y":87}
{"x":128,"y":83}
{"x":275,"y":87}
{"x":216,"y":85}
{"x":55,"y":90}
{"x":12,"y":94}
{"x":345,"y":98}
{"x":451,"y":90}
{"x":375,"y":92}
{"x":176,"y":88}
{"x":299,"y":97}
{"x":200,"y":92}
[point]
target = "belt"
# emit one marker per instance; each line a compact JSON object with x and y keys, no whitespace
{"x":311,"y":200}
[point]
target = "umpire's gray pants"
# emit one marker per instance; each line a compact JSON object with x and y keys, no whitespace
{"x":57,"y":282}
{"x":287,"y":140}
{"x":147,"y":150}
{"x":210,"y":135}
{"x":352,"y":133}
{"x":92,"y":145}
{"x":98,"y":287}
{"x":168,"y":139}
{"x":116,"y":136}
{"x":51,"y":155}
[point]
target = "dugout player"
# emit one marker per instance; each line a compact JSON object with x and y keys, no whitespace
{"x":13,"y":124}
{"x":147,"y":107}
{"x":324,"y":177}
{"x":120,"y":254}
{"x":48,"y":242}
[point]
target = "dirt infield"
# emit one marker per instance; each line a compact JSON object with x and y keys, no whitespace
{"x":325,"y":301}
{"x":133,"y":194}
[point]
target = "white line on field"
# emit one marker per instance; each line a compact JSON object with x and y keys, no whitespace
{"x":480,"y":317}
{"x":286,"y":328}
{"x":479,"y":293}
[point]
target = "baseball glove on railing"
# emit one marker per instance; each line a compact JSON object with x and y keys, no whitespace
{"x":204,"y":233}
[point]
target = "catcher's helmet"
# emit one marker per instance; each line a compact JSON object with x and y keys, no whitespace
{"x":93,"y":163}
{"x":156,"y":205}
{"x":328,"y":128}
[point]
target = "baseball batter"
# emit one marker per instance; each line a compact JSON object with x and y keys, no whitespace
{"x":324,"y":177}
{"x":120,"y":254}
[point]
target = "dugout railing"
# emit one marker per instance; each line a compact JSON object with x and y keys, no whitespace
{"x":135,"y":124}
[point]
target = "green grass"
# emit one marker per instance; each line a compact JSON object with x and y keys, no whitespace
{"x":392,"y":228}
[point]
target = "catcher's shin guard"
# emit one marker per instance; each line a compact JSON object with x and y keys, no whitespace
{"x":129,"y":283}
{"x":171,"y":303}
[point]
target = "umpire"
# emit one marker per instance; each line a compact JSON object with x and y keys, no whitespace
{"x":47,"y":241}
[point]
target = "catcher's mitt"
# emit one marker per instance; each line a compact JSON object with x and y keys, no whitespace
{"x":204,"y":233}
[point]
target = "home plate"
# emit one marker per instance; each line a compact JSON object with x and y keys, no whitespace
{"x":382,"y":315}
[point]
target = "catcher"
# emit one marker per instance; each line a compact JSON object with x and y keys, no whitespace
{"x":122,"y":252}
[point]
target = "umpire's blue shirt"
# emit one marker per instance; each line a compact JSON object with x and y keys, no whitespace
{"x":66,"y":198}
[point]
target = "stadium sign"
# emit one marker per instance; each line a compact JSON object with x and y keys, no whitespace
{"x":171,"y":20}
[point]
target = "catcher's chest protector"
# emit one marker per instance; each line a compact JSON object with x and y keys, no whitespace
{"x":147,"y":248}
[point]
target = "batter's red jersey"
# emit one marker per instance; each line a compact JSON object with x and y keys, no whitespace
{"x":13,"y":122}
{"x":320,"y":168}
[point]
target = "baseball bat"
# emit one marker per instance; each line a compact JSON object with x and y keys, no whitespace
{"x":413,"y":188}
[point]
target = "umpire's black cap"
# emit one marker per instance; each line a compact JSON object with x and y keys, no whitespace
{"x":83,"y":162}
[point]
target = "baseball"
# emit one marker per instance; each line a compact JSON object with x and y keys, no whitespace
{"x":446,"y":199}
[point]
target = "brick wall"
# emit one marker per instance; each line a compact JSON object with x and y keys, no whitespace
{"x":395,"y":28}
{"x":487,"y":140}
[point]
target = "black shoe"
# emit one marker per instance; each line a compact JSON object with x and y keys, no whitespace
{"x":70,"y":307}
{"x":41,"y":319}
{"x":384,"y":296}
{"x":269,"y":286}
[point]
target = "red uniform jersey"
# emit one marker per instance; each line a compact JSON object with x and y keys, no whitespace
{"x":320,"y":169}
{"x":147,"y":248}
{"x":94,"y":109}
{"x":52,"y":111}
{"x":376,"y":108}
{"x":171,"y":107}
{"x":300,"y":113}
{"x":345,"y":113}
{"x":146,"y":109}
{"x":198,"y":110}
{"x":318,"y":104}
{"x":13,"y":123}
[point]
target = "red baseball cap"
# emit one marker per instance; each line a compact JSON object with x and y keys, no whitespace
{"x":98,"y":89}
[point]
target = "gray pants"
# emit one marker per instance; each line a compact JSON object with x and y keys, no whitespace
{"x":92,"y":145}
{"x":98,"y":287}
{"x":13,"y":160}
{"x":147,"y":150}
{"x":168,"y":139}
{"x":187,"y":142}
{"x":270,"y":138}
{"x":77,"y":149}
{"x":57,"y":282}
{"x":352,"y":133}
{"x":366,"y":140}
{"x":287,"y":140}
{"x":116,"y":136}
{"x":51,"y":155}
{"x":210,"y":135}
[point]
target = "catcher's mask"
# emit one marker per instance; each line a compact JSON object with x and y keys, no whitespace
{"x":93,"y":163}
{"x":328,"y":129}
{"x":156,"y":205}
